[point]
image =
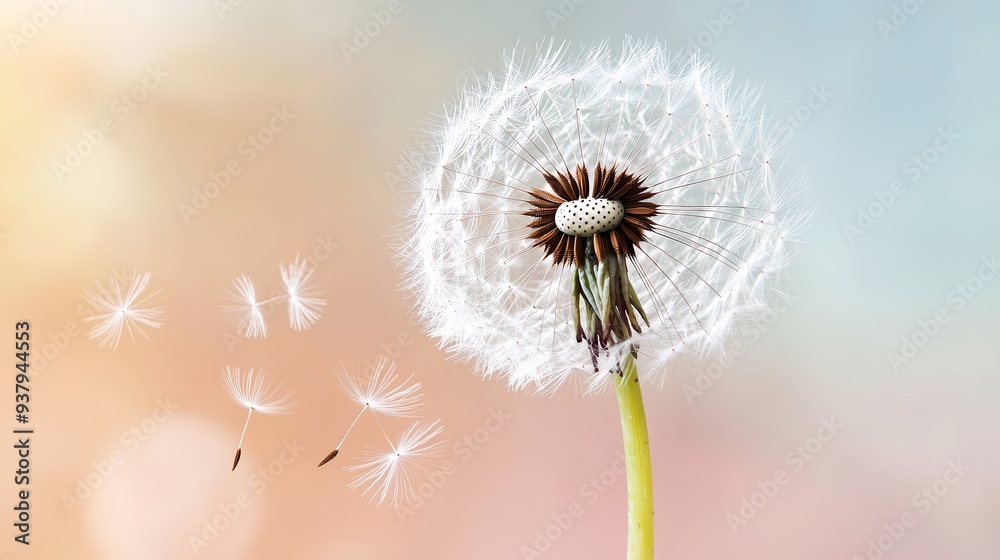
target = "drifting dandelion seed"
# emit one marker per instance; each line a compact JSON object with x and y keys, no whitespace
{"x":394,"y":475}
{"x":379,"y":392}
{"x":255,"y":391}
{"x":299,"y":292}
{"x":303,"y":305}
{"x":579,"y":213}
{"x":252,"y":323}
{"x":398,"y":473}
{"x":122,"y":309}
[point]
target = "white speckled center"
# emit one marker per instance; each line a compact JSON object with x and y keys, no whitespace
{"x":585,"y":217}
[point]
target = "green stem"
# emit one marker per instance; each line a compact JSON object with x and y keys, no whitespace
{"x":638,"y":469}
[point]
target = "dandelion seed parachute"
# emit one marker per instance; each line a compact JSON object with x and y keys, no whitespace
{"x":396,"y":475}
{"x":251,"y":322}
{"x":681,"y":172}
{"x":299,"y":292}
{"x":381,"y":393}
{"x":255,"y":391}
{"x":303,"y":303}
{"x":120,"y":309}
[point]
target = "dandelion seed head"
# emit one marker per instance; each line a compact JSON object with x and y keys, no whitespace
{"x":585,"y":217}
{"x":690,"y":214}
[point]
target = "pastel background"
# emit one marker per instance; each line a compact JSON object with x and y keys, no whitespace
{"x":872,"y":85}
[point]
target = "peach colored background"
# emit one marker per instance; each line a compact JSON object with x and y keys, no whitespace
{"x":324,"y":177}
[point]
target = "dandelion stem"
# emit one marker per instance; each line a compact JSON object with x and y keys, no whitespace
{"x":638,"y":468}
{"x":245,"y":424}
{"x":275,"y":298}
{"x":330,"y":456}
{"x":379,"y":422}
{"x":348,"y":432}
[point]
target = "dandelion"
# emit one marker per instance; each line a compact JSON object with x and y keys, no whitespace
{"x":120,"y":309}
{"x":578,"y":214}
{"x":379,"y":392}
{"x":398,"y":473}
{"x":255,"y":391}
{"x":298,"y":291}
